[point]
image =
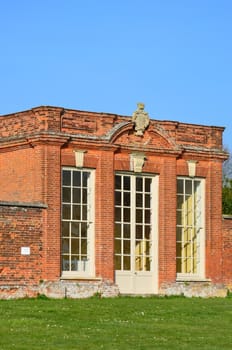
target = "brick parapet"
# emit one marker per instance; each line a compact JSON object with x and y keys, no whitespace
{"x":96,"y":126}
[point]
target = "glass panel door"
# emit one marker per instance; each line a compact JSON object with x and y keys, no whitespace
{"x":135,"y":222}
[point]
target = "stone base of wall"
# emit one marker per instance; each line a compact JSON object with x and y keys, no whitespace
{"x":106,"y":289}
{"x":194,"y":289}
{"x":61,"y":289}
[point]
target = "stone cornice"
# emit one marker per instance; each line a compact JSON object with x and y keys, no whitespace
{"x":33,"y":140}
{"x":105,"y":142}
{"x":23,"y":204}
{"x":199,"y":152}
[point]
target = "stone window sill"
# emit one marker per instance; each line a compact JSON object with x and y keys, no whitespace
{"x":79,"y":278}
{"x":191,"y":279}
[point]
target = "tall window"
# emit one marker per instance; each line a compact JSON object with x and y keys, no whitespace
{"x":77,"y":222}
{"x":134,"y":224}
{"x":190,"y":228}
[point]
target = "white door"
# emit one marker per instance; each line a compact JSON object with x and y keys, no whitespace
{"x":136,"y":250}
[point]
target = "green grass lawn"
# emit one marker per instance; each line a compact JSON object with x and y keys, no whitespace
{"x":119,"y":323}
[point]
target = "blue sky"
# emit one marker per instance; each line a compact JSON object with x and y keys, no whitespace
{"x":107,"y":55}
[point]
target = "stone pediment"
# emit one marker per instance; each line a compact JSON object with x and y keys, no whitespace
{"x":152,"y":138}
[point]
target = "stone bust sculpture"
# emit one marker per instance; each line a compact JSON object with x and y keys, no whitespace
{"x":140,"y":118}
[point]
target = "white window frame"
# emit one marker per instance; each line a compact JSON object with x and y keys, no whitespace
{"x":90,"y":271}
{"x":200,"y":274}
{"x":153,"y":222}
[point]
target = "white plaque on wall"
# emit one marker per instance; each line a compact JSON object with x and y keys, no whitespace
{"x":25,"y":251}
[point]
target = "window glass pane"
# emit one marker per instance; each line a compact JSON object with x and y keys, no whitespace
{"x":117,"y":262}
{"x":76,"y":195}
{"x":117,"y":214}
{"x":66,"y":194}
{"x":126,"y":230}
{"x":66,"y":177}
{"x":139,"y":263}
{"x":179,"y":234}
{"x":74,"y":263}
{"x":84,"y":212}
{"x":126,"y":183}
{"x":65,"y":263}
{"x":75,"y":229}
{"x":65,"y":228}
{"x":147,"y":201}
{"x":84,"y":196}
{"x":178,"y":249}
{"x":66,"y":212}
{"x":147,"y":185}
{"x":139,"y":232}
{"x":188,"y":186}
{"x":76,"y":212}
{"x":117,"y":198}
{"x":126,"y":215}
{"x":77,"y":178}
{"x":117,"y":230}
{"x":147,"y":247}
{"x":126,"y":263}
{"x":147,"y":232}
{"x":139,"y":184}
{"x":147,"y":216}
{"x":65,"y":245}
{"x":139,"y":215}
{"x":147,"y":266}
{"x":117,"y":246}
{"x":179,"y":217}
{"x":178,"y":265}
{"x":180,"y":186}
{"x":75,"y":246}
{"x":85,"y":178}
{"x":180,"y":202}
{"x":126,"y":199}
{"x":117,"y":182}
{"x":126,"y":246}
{"x":139,"y":200}
{"x":84,"y":230}
{"x":84,"y":246}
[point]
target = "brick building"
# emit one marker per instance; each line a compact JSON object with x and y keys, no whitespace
{"x":91,"y":202}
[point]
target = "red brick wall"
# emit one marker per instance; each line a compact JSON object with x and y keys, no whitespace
{"x":52,"y":197}
{"x":167,"y":220}
{"x":104,"y":214}
{"x":227,"y":250}
{"x":213,"y":223}
{"x":17,"y":175}
{"x":20,"y":227}
{"x":35,"y":144}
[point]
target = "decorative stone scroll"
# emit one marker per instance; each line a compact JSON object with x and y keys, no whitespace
{"x":137,"y":162}
{"x":141,"y":120}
